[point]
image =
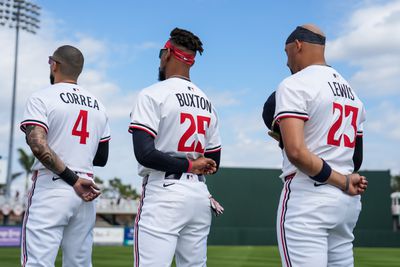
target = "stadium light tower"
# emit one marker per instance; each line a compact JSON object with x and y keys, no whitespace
{"x":24,"y":15}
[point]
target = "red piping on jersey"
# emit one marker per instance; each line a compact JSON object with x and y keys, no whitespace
{"x":105,"y":140}
{"x":136,"y":227}
{"x":30,"y":195}
{"x":179,"y":54}
{"x":305,"y":118}
{"x":213,"y":150}
{"x":282,"y":220}
{"x":32,"y":123}
{"x":143,"y":129}
{"x":290,"y":176}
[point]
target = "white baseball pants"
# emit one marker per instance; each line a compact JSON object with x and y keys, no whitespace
{"x":56,"y":217}
{"x":174,"y":218}
{"x":315,"y":224}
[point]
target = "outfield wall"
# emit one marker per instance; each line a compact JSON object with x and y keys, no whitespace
{"x":10,"y":236}
{"x":250,"y":198}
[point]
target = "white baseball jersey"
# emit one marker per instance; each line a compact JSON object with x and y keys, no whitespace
{"x":179,"y":116}
{"x":315,"y":221}
{"x":174,"y":216}
{"x":333,"y":113}
{"x":75,"y":122}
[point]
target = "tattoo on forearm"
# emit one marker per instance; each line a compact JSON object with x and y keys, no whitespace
{"x":28,"y":130}
{"x":36,"y":138}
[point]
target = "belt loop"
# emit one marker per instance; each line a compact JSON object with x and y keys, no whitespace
{"x":290,"y":176}
{"x":145,"y":179}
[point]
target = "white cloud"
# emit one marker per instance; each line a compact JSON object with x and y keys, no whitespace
{"x":367,"y":46}
{"x":371,"y":43}
{"x":223,"y":99}
{"x":384,"y":121}
{"x":94,"y":50}
{"x":246,"y":143}
{"x":147,"y":45}
{"x":382,"y":138}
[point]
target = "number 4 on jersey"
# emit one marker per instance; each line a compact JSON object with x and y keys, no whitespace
{"x":82,"y":131}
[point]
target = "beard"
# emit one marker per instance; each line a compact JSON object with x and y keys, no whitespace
{"x":161,"y":74}
{"x":51,"y":78}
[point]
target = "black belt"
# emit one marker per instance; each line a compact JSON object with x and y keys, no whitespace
{"x":178,"y":176}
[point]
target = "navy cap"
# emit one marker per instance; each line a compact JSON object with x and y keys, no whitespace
{"x":269,"y":111}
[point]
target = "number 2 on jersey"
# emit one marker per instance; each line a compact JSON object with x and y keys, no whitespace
{"x":348,"y":111}
{"x":195,"y":125}
{"x":82,"y":122}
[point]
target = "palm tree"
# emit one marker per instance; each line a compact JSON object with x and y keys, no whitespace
{"x":26,"y":160}
{"x":122,"y":190}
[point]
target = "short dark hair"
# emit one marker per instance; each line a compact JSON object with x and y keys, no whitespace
{"x":186,"y":39}
{"x":71,"y":60}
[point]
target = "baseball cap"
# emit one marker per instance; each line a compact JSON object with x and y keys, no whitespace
{"x":269,"y":111}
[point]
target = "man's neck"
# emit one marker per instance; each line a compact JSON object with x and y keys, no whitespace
{"x":180,"y":73}
{"x":66,"y":81}
{"x":180,"y":77}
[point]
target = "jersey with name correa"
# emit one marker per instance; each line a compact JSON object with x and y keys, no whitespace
{"x":179,"y":116}
{"x":332,"y":112}
{"x":75,"y":122}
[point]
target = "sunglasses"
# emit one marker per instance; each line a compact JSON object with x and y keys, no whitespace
{"x":52,"y":60}
{"x":161,"y":52}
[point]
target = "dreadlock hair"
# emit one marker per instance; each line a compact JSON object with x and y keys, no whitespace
{"x":186,"y":39}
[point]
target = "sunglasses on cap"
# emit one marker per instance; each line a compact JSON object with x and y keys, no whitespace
{"x":51,"y":60}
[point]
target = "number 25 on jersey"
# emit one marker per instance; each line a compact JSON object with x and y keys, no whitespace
{"x":196,"y":126}
{"x":80,"y":127}
{"x":349,"y":111}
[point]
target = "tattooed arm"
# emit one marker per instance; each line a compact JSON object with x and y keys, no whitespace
{"x":36,"y":137}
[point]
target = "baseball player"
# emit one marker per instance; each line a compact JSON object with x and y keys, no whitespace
{"x":319,"y":118}
{"x":176,"y":142}
{"x":67,"y":130}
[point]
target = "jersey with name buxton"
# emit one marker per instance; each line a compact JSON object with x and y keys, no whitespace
{"x":179,"y":116}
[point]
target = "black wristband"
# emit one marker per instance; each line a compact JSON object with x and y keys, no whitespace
{"x":324,"y":174}
{"x":69,"y":176}
{"x":346,"y":189}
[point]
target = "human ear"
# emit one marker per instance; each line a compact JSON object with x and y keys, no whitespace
{"x":298,"y":45}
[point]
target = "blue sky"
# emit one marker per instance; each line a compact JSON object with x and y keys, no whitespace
{"x":242,"y":64}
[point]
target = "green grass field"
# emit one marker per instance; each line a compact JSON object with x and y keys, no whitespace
{"x":219,"y":256}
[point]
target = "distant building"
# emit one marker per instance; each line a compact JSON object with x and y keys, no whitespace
{"x":396,"y":210}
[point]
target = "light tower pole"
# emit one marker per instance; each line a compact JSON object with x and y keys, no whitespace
{"x":24,"y":15}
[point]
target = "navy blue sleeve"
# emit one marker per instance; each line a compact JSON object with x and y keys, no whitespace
{"x":358,"y":153}
{"x":147,"y":155}
{"x":101,"y":155}
{"x":216,"y":156}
